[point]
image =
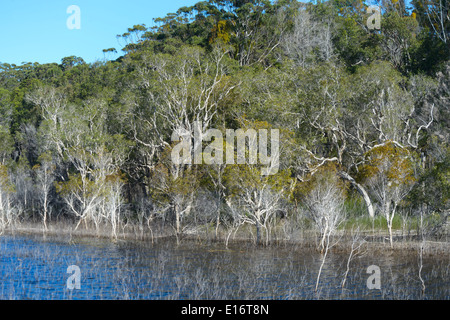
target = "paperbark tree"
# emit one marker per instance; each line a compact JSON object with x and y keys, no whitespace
{"x":6,"y":192}
{"x":85,"y":146}
{"x":389,"y":174}
{"x":323,"y":194}
{"x":256,"y":191}
{"x":172,"y":92}
{"x":44,"y":177}
{"x":256,"y":199}
{"x":173,"y":191}
{"x":111,"y":206}
{"x":309,"y":41}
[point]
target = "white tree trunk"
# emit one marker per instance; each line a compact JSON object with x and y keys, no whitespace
{"x":361,"y":191}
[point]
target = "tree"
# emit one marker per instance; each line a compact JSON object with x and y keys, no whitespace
{"x":389,"y":174}
{"x":112,"y":202}
{"x":434,"y":14}
{"x":68,"y":63}
{"x":323,"y":195}
{"x":6,"y":191}
{"x":309,"y":41}
{"x":84,"y":144}
{"x":215,"y":177}
{"x":399,"y":38}
{"x":83,"y":198}
{"x":354,"y":43}
{"x":174,"y":93}
{"x":44,"y":177}
{"x":256,"y":199}
{"x":174,"y":187}
{"x":21,"y":178}
{"x":253,"y":193}
{"x":6,"y":145}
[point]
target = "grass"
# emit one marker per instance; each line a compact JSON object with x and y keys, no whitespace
{"x":293,"y":228}
{"x":378,"y":223}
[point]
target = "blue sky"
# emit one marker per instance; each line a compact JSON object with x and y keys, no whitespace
{"x":36,"y":30}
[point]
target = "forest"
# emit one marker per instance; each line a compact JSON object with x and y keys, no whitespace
{"x":362,"y":113}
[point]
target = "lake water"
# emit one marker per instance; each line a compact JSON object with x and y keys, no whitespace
{"x":32,"y":267}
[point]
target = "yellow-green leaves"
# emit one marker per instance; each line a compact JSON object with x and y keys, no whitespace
{"x":392,"y":161}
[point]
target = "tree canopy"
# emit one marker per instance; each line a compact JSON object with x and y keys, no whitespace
{"x":367,"y":106}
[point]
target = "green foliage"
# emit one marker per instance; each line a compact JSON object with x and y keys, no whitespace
{"x":5,"y":183}
{"x":392,"y":161}
{"x":433,"y":187}
{"x":375,"y":107}
{"x":324,"y":175}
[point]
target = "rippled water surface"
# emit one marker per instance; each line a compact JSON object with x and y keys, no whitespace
{"x":36,"y":268}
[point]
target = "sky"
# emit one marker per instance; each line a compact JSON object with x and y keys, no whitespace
{"x":37,"y":31}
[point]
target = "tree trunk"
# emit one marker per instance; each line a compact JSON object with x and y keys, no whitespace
{"x":361,"y":190}
{"x":2,"y":213}
{"x":217,"y":222}
{"x":389,"y":218}
{"x":323,"y":262}
{"x":45,"y":211}
{"x":219,"y":201}
{"x":177,"y":219}
{"x":258,"y":233}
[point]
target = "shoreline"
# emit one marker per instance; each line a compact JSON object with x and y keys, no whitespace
{"x":64,"y":230}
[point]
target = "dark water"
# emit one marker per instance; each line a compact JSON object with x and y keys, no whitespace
{"x":36,"y":268}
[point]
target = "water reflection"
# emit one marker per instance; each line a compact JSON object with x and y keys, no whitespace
{"x":34,"y":268}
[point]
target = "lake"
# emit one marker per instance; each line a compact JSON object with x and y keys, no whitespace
{"x":34,"y":267}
